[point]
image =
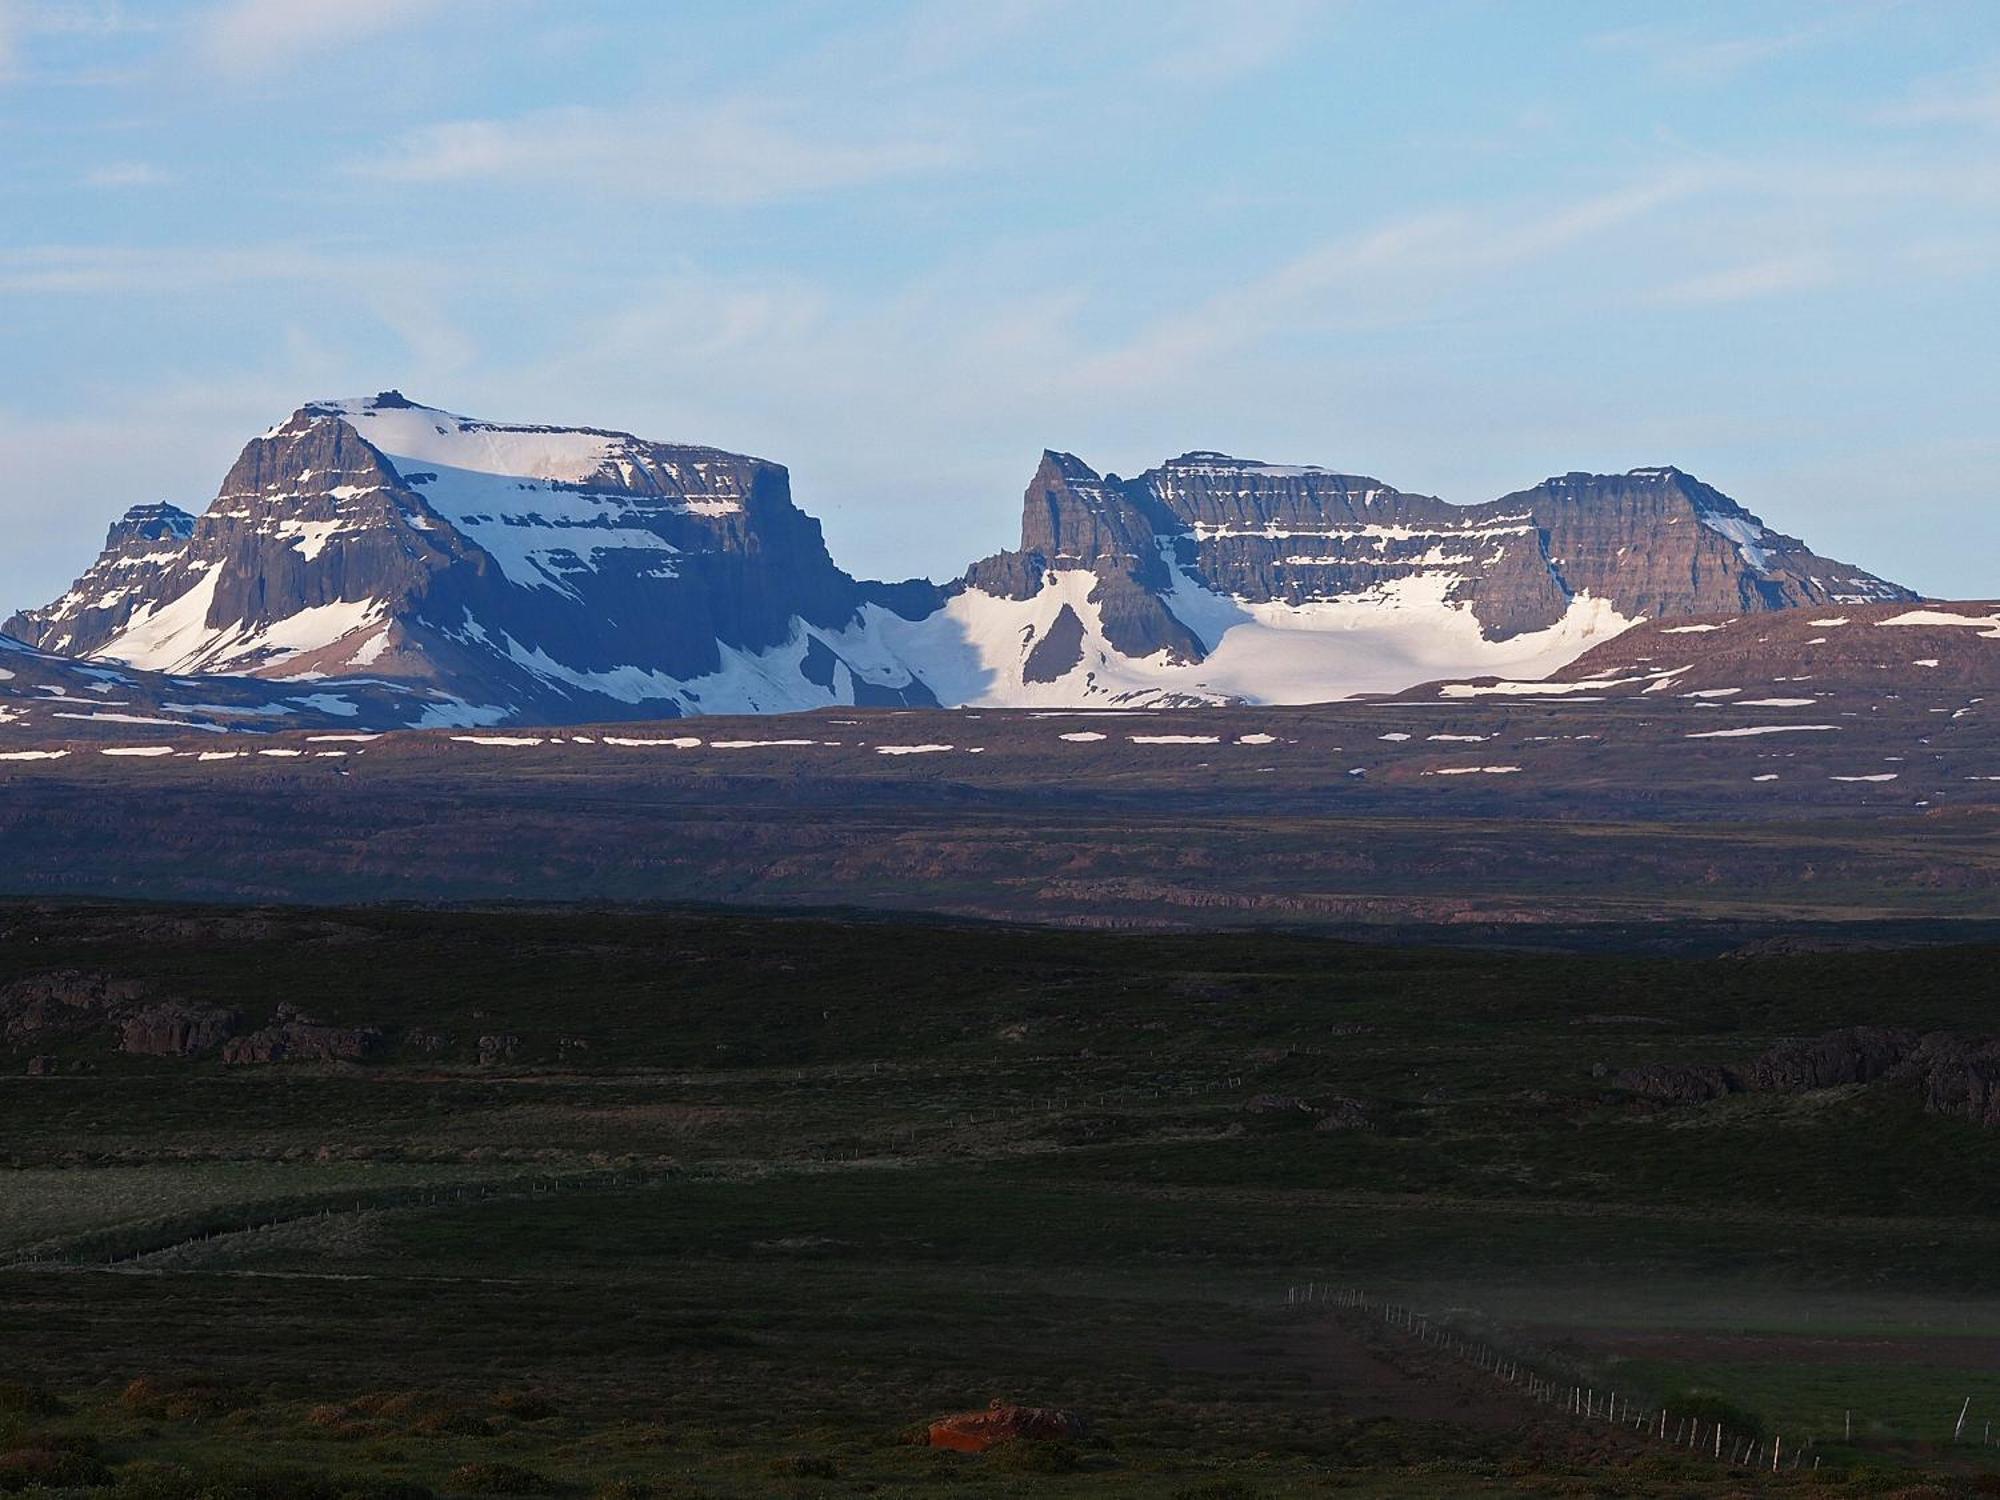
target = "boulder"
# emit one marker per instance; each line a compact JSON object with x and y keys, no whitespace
{"x":1854,"y":1054}
{"x":498,"y":1049}
{"x":1677,"y":1083}
{"x":1960,"y":1077}
{"x":64,"y":1002}
{"x":304,"y":1041}
{"x":1003,"y":1422}
{"x":173,"y":1028}
{"x":1345,"y":1114}
{"x":1277,"y":1104}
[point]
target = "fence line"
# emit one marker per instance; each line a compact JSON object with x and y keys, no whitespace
{"x":1584,"y":1403}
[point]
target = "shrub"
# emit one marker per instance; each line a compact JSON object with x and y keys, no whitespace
{"x":1709,"y":1407}
{"x":398,"y":1405}
{"x":18,"y":1400}
{"x":51,"y":1468}
{"x":498,"y":1479}
{"x":1027,"y":1456}
{"x":1216,"y":1489}
{"x":387,"y":1489}
{"x":180,"y":1398}
{"x":524,"y":1406}
{"x":450,"y":1423}
{"x":806,"y":1466}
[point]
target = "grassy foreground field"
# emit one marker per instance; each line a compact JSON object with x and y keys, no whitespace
{"x":711,"y":1205}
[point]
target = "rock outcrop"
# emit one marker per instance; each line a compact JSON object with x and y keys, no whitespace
{"x":1003,"y":1422}
{"x":294,"y":1036}
{"x":176,"y":1029}
{"x":1953,"y":1075}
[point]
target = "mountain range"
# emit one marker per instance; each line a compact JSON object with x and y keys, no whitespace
{"x":375,"y":561}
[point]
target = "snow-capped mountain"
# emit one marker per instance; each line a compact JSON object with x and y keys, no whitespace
{"x":510,"y":573}
{"x":526,"y":572}
{"x":1211,"y":578}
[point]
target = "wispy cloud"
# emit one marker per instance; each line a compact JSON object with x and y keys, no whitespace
{"x":1777,"y":276}
{"x":1389,"y":271}
{"x":1692,"y":59}
{"x":1958,"y":100}
{"x":10,"y":34}
{"x":127,"y":174}
{"x":736,"y":152}
{"x":1210,"y":44}
{"x":249,"y":38}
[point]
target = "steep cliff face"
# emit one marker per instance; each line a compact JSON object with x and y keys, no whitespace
{"x":562,"y":574}
{"x":1211,"y":578}
{"x":1073,"y":519}
{"x":534,"y":571}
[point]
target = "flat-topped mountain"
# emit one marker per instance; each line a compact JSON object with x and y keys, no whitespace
{"x":523,"y":573}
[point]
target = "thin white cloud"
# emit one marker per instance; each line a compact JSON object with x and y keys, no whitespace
{"x":1949,"y":101}
{"x":732,"y":153}
{"x":1778,"y":276}
{"x":1219,"y":44}
{"x":10,"y":32}
{"x":248,"y":38}
{"x":1685,"y":58}
{"x":127,"y":174}
{"x":1391,"y":271}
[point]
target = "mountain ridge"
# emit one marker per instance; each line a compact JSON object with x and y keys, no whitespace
{"x":534,"y":573}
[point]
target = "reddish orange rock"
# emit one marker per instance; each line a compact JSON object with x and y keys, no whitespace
{"x":976,"y":1431}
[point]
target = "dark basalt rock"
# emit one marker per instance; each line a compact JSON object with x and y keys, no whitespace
{"x":1857,"y":1054}
{"x":1675,"y":1083}
{"x":1058,"y":651}
{"x":176,"y":1029}
{"x":304,"y":1041}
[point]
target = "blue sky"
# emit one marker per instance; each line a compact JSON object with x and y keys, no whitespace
{"x":902,"y":247}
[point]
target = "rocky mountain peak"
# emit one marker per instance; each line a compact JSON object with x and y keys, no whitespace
{"x":158,"y":522}
{"x":528,"y":572}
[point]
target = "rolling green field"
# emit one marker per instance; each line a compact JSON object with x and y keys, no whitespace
{"x":742,"y":1201}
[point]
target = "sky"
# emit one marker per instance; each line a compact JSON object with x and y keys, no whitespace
{"x":1457,"y":245}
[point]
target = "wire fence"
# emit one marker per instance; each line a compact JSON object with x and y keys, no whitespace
{"x":1564,"y":1395}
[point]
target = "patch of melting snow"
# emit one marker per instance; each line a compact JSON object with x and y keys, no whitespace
{"x":1878,"y":776}
{"x":1082,"y":736}
{"x":1257,"y":739}
{"x":1176,"y":739}
{"x":684,"y":742}
{"x":1392,"y":735}
{"x":1987,"y":626}
{"x":219,"y":755}
{"x":1828,"y":624}
{"x":1731,"y":734}
{"x":1689,"y":629}
{"x":341,"y":739}
{"x":1777,"y":703}
{"x":494,"y":739}
{"x":59,"y":754}
{"x":1928,"y":661}
{"x":282,"y":754}
{"x":1767,"y":776}
{"x":1462,"y":739}
{"x":756,"y":744}
{"x":1473,"y":771}
{"x":912,"y":749}
{"x":1713,"y":693}
{"x":143,"y":750}
{"x":141,"y":719}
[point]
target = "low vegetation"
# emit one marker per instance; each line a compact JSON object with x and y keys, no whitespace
{"x":741,"y":1203}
